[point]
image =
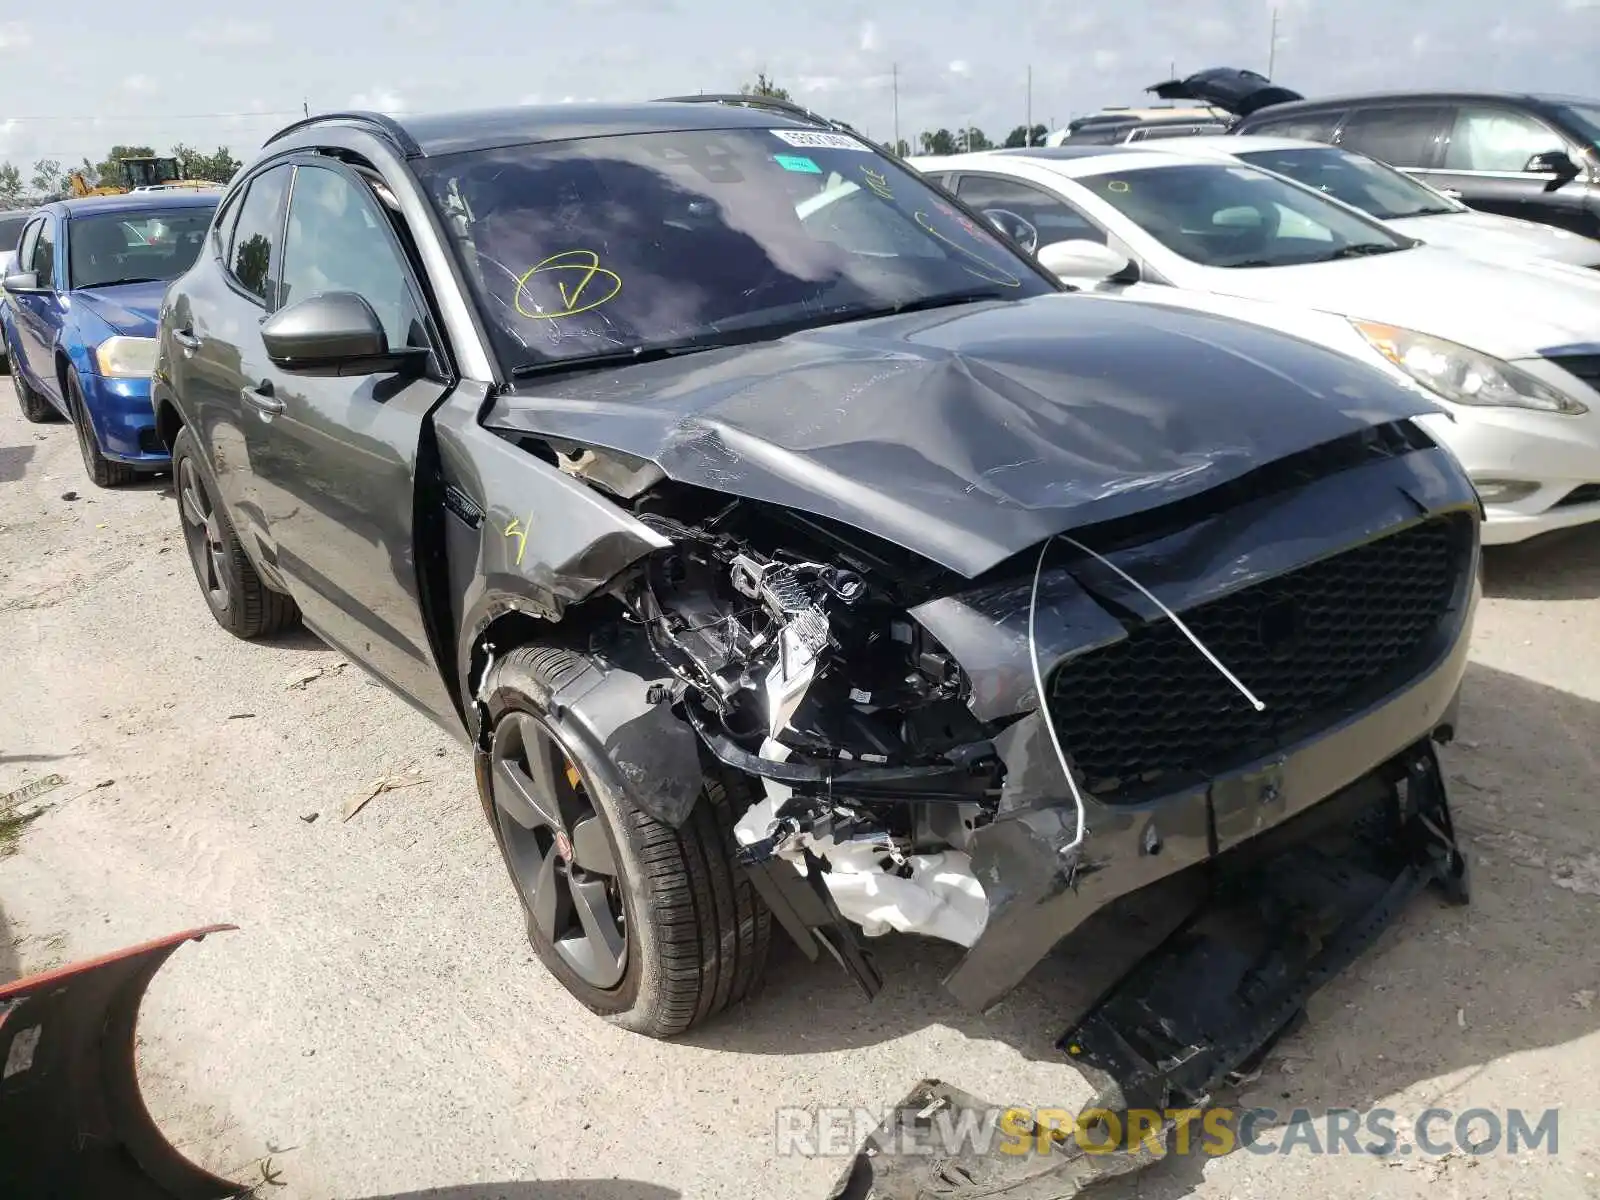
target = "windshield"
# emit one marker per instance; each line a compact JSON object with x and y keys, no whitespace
{"x":1376,"y":189}
{"x":134,"y":247}
{"x":1587,"y":118}
{"x":11,"y":226}
{"x":1238,"y":216}
{"x":617,"y":244}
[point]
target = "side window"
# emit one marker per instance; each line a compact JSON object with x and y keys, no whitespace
{"x":1312,"y":127}
{"x":339,"y":241}
{"x":1401,"y":137}
{"x":43,"y":259}
{"x":1497,"y":139}
{"x":256,"y":232}
{"x":1054,"y":218}
{"x":222,"y":224}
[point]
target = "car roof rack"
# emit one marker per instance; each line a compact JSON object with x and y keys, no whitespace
{"x":787,"y":107}
{"x":384,"y":126}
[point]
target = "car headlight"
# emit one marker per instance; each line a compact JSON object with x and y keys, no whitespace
{"x":1463,"y":375}
{"x":126,"y":357}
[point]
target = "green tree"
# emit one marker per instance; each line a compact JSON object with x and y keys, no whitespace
{"x":902,"y":148}
{"x":939,"y":142}
{"x":764,"y":87}
{"x":1023,"y":136}
{"x":10,"y":185}
{"x":218,"y":167}
{"x":973,"y":139}
{"x":48,"y":178}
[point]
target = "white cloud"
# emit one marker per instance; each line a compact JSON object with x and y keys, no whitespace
{"x":869,"y":36}
{"x":379,"y":99}
{"x":1104,"y":60}
{"x":231,"y":33}
{"x":530,"y":98}
{"x":14,"y":35}
{"x":960,"y":66}
{"x":818,"y":83}
{"x":139,"y":83}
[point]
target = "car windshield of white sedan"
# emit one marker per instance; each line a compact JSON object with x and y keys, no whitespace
{"x":133,"y":247}
{"x":1375,"y":189}
{"x":615,"y":245}
{"x":1237,"y":216}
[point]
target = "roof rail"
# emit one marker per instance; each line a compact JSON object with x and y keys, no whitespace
{"x":384,"y":126}
{"x":787,"y":107}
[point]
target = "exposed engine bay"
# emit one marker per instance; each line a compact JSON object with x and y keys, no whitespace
{"x":807,"y":673}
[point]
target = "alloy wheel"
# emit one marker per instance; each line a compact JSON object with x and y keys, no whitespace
{"x":202,"y":530}
{"x":559,"y":851}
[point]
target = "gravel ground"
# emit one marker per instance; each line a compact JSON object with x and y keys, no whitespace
{"x":377,"y":1027}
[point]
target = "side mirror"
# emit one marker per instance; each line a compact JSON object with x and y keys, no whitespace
{"x":1019,"y":229}
{"x":1553,"y":162}
{"x":334,"y":333}
{"x":22,"y":282}
{"x":1083,"y":259}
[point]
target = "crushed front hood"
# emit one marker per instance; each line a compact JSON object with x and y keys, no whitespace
{"x":1232,"y":89}
{"x":970,"y":433}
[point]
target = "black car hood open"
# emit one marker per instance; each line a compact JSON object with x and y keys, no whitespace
{"x":968,"y":434}
{"x":1232,"y":89}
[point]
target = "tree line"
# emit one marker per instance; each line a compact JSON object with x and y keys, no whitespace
{"x":938,"y":141}
{"x":49,"y":177}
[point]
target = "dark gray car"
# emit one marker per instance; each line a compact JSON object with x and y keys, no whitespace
{"x":736,"y":495}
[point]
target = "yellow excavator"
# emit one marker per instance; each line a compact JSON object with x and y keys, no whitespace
{"x":138,"y":174}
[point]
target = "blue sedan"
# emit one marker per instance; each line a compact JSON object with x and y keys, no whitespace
{"x":80,"y":319}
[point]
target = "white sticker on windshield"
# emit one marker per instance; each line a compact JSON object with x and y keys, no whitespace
{"x":810,"y":139}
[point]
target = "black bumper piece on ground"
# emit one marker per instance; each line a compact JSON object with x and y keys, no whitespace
{"x":1206,"y":1004}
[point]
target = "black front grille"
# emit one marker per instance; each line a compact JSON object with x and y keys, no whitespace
{"x":1585,"y":366}
{"x":1309,"y":644}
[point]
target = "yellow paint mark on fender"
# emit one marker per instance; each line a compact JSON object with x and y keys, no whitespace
{"x":577,"y":275}
{"x":520,"y":529}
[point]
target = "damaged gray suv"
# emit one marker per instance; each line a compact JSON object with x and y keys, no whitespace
{"x":791,"y":549}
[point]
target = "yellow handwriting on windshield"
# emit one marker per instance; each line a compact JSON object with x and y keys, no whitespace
{"x":878,"y":182}
{"x":581,"y":282}
{"x":975,"y":264}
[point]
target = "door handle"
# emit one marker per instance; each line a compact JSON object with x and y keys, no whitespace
{"x":186,"y":339}
{"x":262,"y":399}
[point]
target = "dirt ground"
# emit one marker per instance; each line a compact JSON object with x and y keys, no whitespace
{"x":377,"y":1026}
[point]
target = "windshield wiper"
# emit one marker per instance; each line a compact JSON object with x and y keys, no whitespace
{"x":612,"y":358}
{"x":119,"y":283}
{"x":944,"y":300}
{"x":1359,"y":250}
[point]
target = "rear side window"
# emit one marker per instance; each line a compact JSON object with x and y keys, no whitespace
{"x":1310,"y":127}
{"x":44,"y":257}
{"x":1401,"y":137}
{"x":256,"y":234}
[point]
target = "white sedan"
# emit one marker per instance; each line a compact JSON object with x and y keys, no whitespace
{"x":1512,"y":352}
{"x":1394,"y":197}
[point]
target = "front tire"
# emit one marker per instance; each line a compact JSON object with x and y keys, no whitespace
{"x":102,"y":470}
{"x":651,"y":927}
{"x":238,"y":598}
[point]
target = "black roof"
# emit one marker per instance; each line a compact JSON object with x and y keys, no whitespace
{"x":1532,"y":98}
{"x":428,"y":135}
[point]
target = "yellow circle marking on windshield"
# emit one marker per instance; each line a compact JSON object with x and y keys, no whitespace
{"x":1004,"y":279}
{"x":878,"y":182}
{"x":583,"y":275}
{"x":1117,"y":185}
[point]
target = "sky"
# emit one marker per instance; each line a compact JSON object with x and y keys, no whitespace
{"x":77,"y":79}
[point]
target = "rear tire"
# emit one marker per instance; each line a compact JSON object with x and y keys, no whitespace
{"x":102,"y":470}
{"x":236,"y":595}
{"x":35,"y":408}
{"x":694,"y":933}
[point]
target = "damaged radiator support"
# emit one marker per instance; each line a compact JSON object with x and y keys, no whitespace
{"x":1203,"y":1007}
